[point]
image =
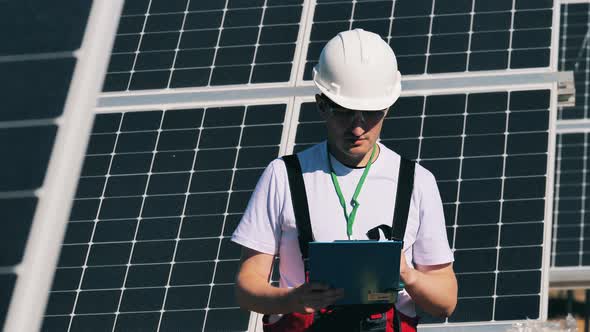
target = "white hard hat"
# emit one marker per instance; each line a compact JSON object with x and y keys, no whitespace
{"x":358,"y":70}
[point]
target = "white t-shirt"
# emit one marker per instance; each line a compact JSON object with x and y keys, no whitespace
{"x":268,"y":224}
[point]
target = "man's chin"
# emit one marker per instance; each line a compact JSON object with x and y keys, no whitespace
{"x":358,"y":150}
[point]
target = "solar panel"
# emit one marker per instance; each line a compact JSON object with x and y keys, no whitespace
{"x":571,"y":233}
{"x":431,"y":37}
{"x":39,"y":67}
{"x":147,"y":247}
{"x":173,"y":44}
{"x":489,"y":154}
{"x":574,"y":56}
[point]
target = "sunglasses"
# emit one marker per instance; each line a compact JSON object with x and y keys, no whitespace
{"x":345,"y":114}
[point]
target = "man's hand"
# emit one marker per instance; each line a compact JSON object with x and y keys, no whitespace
{"x":310,"y":297}
{"x":432,"y":287}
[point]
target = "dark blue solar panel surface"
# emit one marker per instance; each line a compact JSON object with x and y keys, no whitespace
{"x":184,"y":43}
{"x":147,"y":247}
{"x":571,"y":227}
{"x":36,"y":26}
{"x":574,"y":56}
{"x":431,"y":37}
{"x":488,"y":152}
{"x":32,"y":90}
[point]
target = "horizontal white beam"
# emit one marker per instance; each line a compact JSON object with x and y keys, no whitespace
{"x":563,"y":2}
{"x":113,"y":102}
{"x":573,"y":126}
{"x":569,"y":277}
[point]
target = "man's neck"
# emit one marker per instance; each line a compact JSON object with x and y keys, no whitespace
{"x":351,"y":161}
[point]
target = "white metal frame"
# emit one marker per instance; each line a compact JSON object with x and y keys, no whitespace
{"x":35,"y":272}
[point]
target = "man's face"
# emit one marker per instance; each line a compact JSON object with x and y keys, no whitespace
{"x":351,"y":132}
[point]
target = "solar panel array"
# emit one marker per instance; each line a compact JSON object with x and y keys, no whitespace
{"x":570,"y":239}
{"x":488,"y":152}
{"x":573,"y":56}
{"x":174,"y":44}
{"x":431,"y":37}
{"x":571,"y":230}
{"x":38,"y":38}
{"x":147,"y":247}
{"x":162,"y":189}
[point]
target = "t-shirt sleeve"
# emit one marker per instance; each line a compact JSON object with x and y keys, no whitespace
{"x":260,"y":227}
{"x":431,"y":246}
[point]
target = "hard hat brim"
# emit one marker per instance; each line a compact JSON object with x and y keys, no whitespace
{"x":373,"y":104}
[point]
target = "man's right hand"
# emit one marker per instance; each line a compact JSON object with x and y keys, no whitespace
{"x":310,"y":297}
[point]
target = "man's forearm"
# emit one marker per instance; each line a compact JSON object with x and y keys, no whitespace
{"x":433,"y":291}
{"x":257,"y":295}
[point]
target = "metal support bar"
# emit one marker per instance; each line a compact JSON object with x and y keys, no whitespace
{"x":113,"y":102}
{"x":573,"y":126}
{"x":569,"y":277}
{"x":55,"y":197}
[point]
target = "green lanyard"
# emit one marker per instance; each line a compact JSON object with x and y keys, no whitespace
{"x":354,"y":202}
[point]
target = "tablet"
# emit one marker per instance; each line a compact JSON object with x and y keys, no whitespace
{"x":368,"y":271}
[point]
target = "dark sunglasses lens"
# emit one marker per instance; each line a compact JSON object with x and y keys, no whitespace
{"x":373,"y":114}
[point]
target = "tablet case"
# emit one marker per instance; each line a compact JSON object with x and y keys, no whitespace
{"x":367,"y":270}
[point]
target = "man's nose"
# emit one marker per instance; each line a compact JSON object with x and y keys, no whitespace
{"x":358,"y":119}
{"x":358,"y":123}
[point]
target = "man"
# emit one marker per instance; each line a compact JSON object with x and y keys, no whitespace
{"x":358,"y":77}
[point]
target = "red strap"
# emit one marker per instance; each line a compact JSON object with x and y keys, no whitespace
{"x":376,"y":316}
{"x":408,"y":324}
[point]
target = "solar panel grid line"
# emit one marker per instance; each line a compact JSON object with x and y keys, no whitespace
{"x":86,"y":47}
{"x":391,"y":16}
{"x":429,"y":36}
{"x":257,"y":41}
{"x":95,"y":221}
{"x":512,"y":13}
{"x":138,"y":45}
{"x":501,"y":200}
{"x":217,"y":45}
{"x":458,"y":197}
{"x":178,"y":44}
{"x":470,"y":39}
{"x":223,"y":225}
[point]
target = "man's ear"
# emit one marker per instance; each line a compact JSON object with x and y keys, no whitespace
{"x":321,"y":105}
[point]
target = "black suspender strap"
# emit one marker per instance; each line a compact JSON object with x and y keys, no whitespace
{"x":299,"y":200}
{"x":405,"y":185}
